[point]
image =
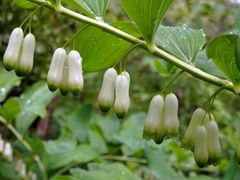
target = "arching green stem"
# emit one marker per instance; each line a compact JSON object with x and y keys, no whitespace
{"x":153,"y":50}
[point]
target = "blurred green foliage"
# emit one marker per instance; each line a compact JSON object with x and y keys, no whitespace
{"x":76,"y":141}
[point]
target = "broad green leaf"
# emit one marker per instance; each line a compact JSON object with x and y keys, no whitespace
{"x":182,"y":42}
{"x":10,"y":109}
{"x":237,"y":53}
{"x":97,"y":140}
{"x":25,"y":4}
{"x":222,"y":51}
{"x":164,"y":67}
{"x":63,"y":178}
{"x":7,"y":81}
{"x":131,"y":134}
{"x":93,"y":8}
{"x":59,"y":146}
{"x":81,"y":154}
{"x":109,"y":126}
{"x":206,"y":65}
{"x":76,"y":121}
{"x":100,"y":49}
{"x":109,"y":171}
{"x":147,"y":14}
{"x":233,"y":170}
{"x":33,"y":103}
{"x":159,"y":165}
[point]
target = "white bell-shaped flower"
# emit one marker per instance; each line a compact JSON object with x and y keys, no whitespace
{"x":198,"y":116}
{"x":64,"y":85}
{"x":200,"y":149}
{"x":12,"y":53}
{"x":154,"y":117}
{"x":75,"y":75}
{"x":21,"y":168}
{"x":122,"y":100}
{"x":214,"y":147}
{"x":55,"y":73}
{"x":8,"y":151}
{"x":107,"y":93}
{"x":25,"y":63}
{"x":2,"y":144}
{"x":171,"y":114}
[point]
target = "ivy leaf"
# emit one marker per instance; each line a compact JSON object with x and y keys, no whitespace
{"x":25,"y":4}
{"x":33,"y":103}
{"x":147,"y":14}
{"x":92,"y":8}
{"x":182,"y":42}
{"x":222,"y":51}
{"x":100,"y":49}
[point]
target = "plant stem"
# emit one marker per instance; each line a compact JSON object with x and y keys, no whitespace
{"x":153,"y":50}
{"x":26,"y":145}
{"x":124,"y":158}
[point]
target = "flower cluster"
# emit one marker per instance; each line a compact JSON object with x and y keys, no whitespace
{"x":65,"y":72}
{"x":202,"y":136}
{"x":162,"y":118}
{"x":19,"y":54}
{"x":115,"y":92}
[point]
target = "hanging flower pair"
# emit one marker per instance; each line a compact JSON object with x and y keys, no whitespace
{"x":19,"y":54}
{"x":115,"y":92}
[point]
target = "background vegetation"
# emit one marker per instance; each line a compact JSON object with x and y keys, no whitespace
{"x":76,"y":141}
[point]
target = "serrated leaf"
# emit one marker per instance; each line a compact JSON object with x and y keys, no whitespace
{"x":33,"y":103}
{"x":207,"y":65}
{"x":182,"y":42}
{"x":147,"y":14}
{"x":100,"y":49}
{"x":237,"y":53}
{"x":81,"y":154}
{"x":93,"y":8}
{"x":222,"y":51}
{"x":7,"y":81}
{"x":10,"y":109}
{"x":109,"y":171}
{"x":25,"y":4}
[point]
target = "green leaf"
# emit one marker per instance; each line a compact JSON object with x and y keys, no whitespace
{"x":182,"y":42}
{"x":207,"y":65}
{"x":7,"y":81}
{"x":10,"y":109}
{"x":237,"y":53}
{"x":63,"y":178}
{"x":100,"y":49}
{"x":33,"y":103}
{"x":76,"y":121}
{"x":25,"y":4}
{"x":222,"y":51}
{"x":59,"y":146}
{"x":159,"y":165}
{"x":147,"y":14}
{"x":81,"y":154}
{"x":131,"y":134}
{"x":93,"y":8}
{"x":109,"y":171}
{"x":97,"y":140}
